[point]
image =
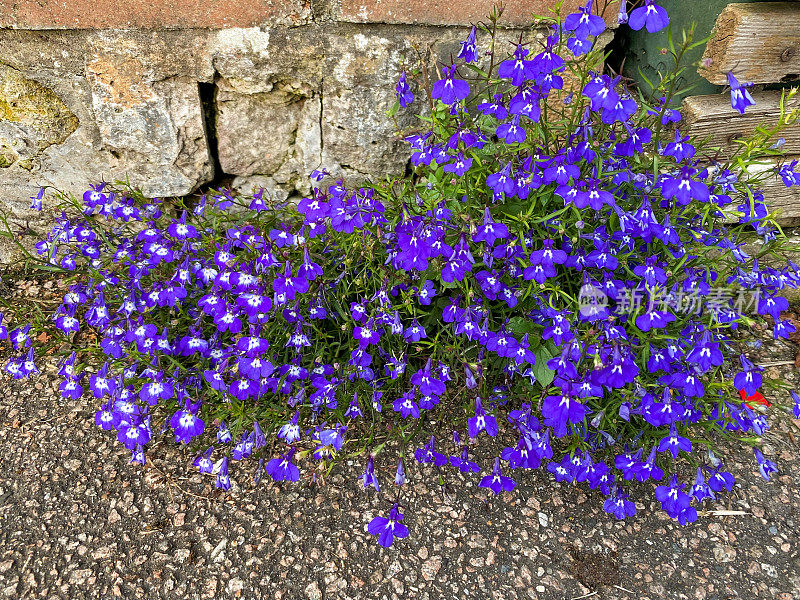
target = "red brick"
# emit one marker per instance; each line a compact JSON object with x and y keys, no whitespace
{"x":150,"y":14}
{"x":456,"y":12}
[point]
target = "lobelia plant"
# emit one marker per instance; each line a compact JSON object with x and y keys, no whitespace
{"x":563,"y":268}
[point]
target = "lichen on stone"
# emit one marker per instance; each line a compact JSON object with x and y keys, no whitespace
{"x":29,"y":103}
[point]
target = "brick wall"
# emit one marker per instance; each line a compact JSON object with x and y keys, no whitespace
{"x":187,"y":14}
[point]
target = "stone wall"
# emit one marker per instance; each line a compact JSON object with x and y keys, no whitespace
{"x":178,"y":95}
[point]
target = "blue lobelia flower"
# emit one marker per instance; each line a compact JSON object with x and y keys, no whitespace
{"x":622,"y":15}
{"x":740,"y":97}
{"x":387,"y":529}
{"x":223,"y":480}
{"x":400,"y":475}
{"x":186,"y":424}
{"x":481,"y":422}
{"x":749,"y":378}
{"x":469,"y":49}
{"x":203,"y":462}
{"x":674,"y":443}
{"x":290,"y":432}
{"x":282,"y":468}
{"x":36,"y":203}
{"x":650,"y":15}
{"x":403,"y":92}
{"x":428,"y":454}
{"x":512,"y":132}
{"x":463,"y":463}
{"x":560,"y":411}
{"x":584,"y":23}
{"x":518,"y":69}
{"x":497,"y":482}
{"x":490,"y":231}
{"x":368,"y":478}
{"x":675,"y":502}
{"x":618,"y":505}
{"x":449,"y":89}
{"x":765,"y":466}
{"x":701,"y":490}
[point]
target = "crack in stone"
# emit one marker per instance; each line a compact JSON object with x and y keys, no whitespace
{"x":208,"y":93}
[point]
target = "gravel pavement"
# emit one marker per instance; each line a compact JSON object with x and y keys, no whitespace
{"x":77,"y":521}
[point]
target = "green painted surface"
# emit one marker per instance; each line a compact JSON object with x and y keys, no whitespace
{"x":644,"y":50}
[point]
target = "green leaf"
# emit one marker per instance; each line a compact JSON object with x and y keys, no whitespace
{"x":544,"y":375}
{"x":522,"y":325}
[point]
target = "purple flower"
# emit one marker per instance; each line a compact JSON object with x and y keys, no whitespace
{"x":481,"y":422}
{"x":426,"y":293}
{"x":560,"y":411}
{"x":70,"y":388}
{"x":765,"y":466}
{"x":491,"y":231}
{"x":749,"y":379}
{"x":448,"y":90}
{"x":203,"y":462}
{"x":37,"y":200}
{"x":674,"y":443}
{"x":650,"y":15}
{"x":415,"y":332}
{"x":497,"y":482}
{"x":518,"y":69}
{"x":223,"y":481}
{"x":622,"y":16}
{"x":403,"y":92}
{"x":469,"y":49}
{"x":137,"y":455}
{"x":619,"y":505}
{"x":463,"y":463}
{"x":684,"y":187}
{"x":428,"y":384}
{"x":387,"y":529}
{"x":720,"y":480}
{"x":282,"y":468}
{"x":584,"y":23}
{"x":134,"y":432}
{"x":104,"y":417}
{"x":740,"y":96}
{"x":428,"y":454}
{"x":368,"y":478}
{"x":400,"y":475}
{"x":367,"y":335}
{"x":675,"y":502}
{"x":460,"y":166}
{"x":154,"y":391}
{"x":512,"y":132}
{"x":290,"y":432}
{"x":701,"y":490}
{"x":186,"y":425}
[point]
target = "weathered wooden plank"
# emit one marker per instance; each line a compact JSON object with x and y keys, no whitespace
{"x":759,"y":42}
{"x":785,"y":202}
{"x":713,"y":118}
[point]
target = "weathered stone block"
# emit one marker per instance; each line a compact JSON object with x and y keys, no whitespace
{"x":32,"y":118}
{"x":102,"y":105}
{"x":268,"y":104}
{"x":153,"y":130}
